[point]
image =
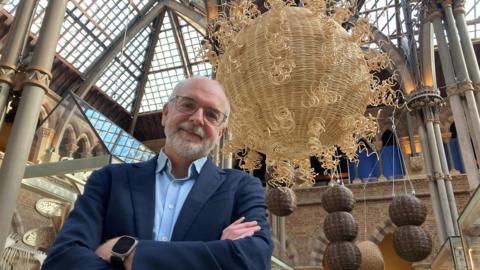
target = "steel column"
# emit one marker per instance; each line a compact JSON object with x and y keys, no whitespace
{"x":35,"y":87}
{"x":14,"y":46}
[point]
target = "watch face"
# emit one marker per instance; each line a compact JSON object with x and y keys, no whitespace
{"x":123,"y":244}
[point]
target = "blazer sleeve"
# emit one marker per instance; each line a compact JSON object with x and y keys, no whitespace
{"x":82,"y":233}
{"x":248,"y":253}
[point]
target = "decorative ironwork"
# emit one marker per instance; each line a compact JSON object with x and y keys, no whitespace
{"x":38,"y":77}
{"x":425,"y":97}
{"x":49,"y":207}
{"x":7,"y":74}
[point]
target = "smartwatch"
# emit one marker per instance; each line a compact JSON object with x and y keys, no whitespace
{"x":124,"y":246}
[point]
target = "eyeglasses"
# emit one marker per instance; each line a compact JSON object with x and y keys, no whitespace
{"x":190,"y":106}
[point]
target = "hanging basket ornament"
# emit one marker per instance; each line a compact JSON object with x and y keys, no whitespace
{"x":343,"y":255}
{"x":407,"y":210}
{"x":340,"y":226}
{"x":372,"y":258}
{"x":281,"y":201}
{"x":412,"y":243}
{"x":337,"y":198}
{"x":298,"y":82}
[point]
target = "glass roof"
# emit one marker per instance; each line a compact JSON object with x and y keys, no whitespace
{"x":89,"y":29}
{"x":91,"y":26}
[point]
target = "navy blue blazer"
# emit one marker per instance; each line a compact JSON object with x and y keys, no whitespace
{"x":119,"y":200}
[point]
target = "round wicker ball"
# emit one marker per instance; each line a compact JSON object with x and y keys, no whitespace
{"x":407,"y":210}
{"x":340,"y":226}
{"x":285,"y":73}
{"x":343,"y":255}
{"x":372,"y":258}
{"x":337,"y":198}
{"x":412,"y":243}
{"x":281,"y":201}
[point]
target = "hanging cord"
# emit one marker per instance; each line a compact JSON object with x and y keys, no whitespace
{"x":364,"y":187}
{"x":400,"y":156}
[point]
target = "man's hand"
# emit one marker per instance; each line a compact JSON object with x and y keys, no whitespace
{"x":104,"y":251}
{"x":238,"y":230}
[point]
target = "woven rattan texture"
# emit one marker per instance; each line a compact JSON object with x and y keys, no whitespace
{"x":372,"y":258}
{"x":281,"y":201}
{"x":298,"y":82}
{"x":340,"y":226}
{"x":412,"y":243}
{"x":343,"y":256}
{"x":337,"y":198}
{"x":407,"y":210}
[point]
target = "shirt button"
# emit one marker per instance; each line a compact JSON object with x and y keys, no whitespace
{"x":170,"y":206}
{"x":164,"y":238}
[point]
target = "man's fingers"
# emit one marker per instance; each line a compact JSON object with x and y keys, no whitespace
{"x":243,"y":225}
{"x":238,"y":221}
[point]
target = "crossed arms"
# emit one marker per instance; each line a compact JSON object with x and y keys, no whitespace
{"x":85,"y":229}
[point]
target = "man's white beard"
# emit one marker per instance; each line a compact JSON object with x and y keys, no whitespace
{"x":186,"y":148}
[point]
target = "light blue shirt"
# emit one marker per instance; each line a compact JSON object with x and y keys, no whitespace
{"x":170,"y":194}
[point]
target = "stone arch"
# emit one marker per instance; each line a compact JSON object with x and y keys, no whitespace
{"x":290,"y":253}
{"x":17,"y":223}
{"x":318,"y":250}
{"x":381,"y":230}
{"x":83,"y":146}
{"x":44,"y":113}
{"x":68,"y":143}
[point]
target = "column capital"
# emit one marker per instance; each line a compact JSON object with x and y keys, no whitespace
{"x":7,"y":74}
{"x":453,"y":91}
{"x":446,"y":3}
{"x":433,"y":11}
{"x":39,"y":77}
{"x":465,"y":86}
{"x":459,"y":7}
{"x":424,"y":97}
{"x":476,"y":87}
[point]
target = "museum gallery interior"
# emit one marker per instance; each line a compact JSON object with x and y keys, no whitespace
{"x":361,"y":118}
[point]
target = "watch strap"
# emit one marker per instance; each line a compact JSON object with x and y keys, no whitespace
{"x":117,"y":262}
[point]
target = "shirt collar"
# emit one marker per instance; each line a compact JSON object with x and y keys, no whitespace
{"x":164,"y":162}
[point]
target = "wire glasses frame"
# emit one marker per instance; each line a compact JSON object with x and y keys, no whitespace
{"x":189,"y":106}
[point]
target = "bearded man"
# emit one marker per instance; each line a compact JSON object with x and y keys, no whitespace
{"x":176,"y":211}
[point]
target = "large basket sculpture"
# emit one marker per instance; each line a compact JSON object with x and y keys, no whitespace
{"x":298,"y":82}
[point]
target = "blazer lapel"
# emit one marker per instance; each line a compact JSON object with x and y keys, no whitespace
{"x":142,"y":186}
{"x":205,"y":186}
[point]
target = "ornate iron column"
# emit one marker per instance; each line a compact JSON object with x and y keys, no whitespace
{"x":437,"y":211}
{"x":35,"y":86}
{"x":467,"y":47}
{"x":463,"y":79}
{"x":468,"y":158}
{"x":424,"y":103}
{"x":14,"y":45}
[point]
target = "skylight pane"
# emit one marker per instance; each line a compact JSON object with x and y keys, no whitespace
{"x":202,"y":69}
{"x":192,"y":40}
{"x":166,"y":50}
{"x":159,"y":87}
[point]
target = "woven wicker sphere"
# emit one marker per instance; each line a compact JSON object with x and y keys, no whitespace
{"x":337,"y":198}
{"x":340,"y":226}
{"x":288,"y":72}
{"x":281,"y":201}
{"x":412,"y":243}
{"x":372,"y":258}
{"x":407,"y":210}
{"x":343,"y":255}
